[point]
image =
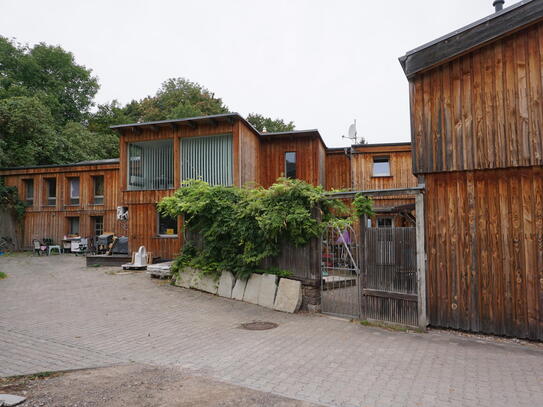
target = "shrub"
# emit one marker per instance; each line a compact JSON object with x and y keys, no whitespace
{"x":240,"y":227}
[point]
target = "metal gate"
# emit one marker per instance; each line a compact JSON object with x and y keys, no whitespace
{"x":389,"y":290}
{"x":340,"y":282}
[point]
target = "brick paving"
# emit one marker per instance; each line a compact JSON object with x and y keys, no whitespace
{"x":55,"y":314}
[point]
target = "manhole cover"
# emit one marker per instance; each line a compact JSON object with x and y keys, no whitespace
{"x":259,"y":325}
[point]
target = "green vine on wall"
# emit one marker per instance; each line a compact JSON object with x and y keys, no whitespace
{"x":240,"y":227}
{"x":9,"y":200}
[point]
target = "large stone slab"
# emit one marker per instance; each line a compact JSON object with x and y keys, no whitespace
{"x":289,"y":296}
{"x":268,"y":288}
{"x":239,"y":289}
{"x":205,"y":283}
{"x":10,"y":400}
{"x":253,"y":289}
{"x":226,"y":284}
{"x":185,"y":277}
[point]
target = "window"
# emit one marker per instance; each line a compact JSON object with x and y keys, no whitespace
{"x":381,"y":166}
{"x":207,"y":158}
{"x":150,"y":165}
{"x":73,"y":225}
{"x":98,"y":189}
{"x":384,"y":222}
{"x":74,"y":190}
{"x":290,"y":164}
{"x":167,"y":226}
{"x":97,"y":225}
{"x":51,"y":191}
{"x":29,"y":191}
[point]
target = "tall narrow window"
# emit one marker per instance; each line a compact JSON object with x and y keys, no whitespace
{"x":167,"y":225}
{"x":150,"y":165}
{"x":290,"y":164}
{"x":29,"y":191}
{"x":381,"y":166}
{"x":73,"y":225}
{"x":97,"y":225}
{"x":51,"y":191}
{"x":208,"y":158}
{"x":74,"y":190}
{"x":98,"y":189}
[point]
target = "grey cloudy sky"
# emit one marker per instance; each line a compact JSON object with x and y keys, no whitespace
{"x":318,"y":63}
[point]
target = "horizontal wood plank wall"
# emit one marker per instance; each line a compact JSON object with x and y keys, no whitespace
{"x":43,"y":221}
{"x":482,"y":110}
{"x":273,"y":149}
{"x":338,"y":170}
{"x":485,"y":251}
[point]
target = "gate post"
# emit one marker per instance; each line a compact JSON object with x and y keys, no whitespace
{"x":362,"y":267}
{"x":421,"y":260}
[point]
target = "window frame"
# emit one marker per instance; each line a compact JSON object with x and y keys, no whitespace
{"x":163,"y":235}
{"x":295,"y":164}
{"x":98,"y":199}
{"x":26,"y":183}
{"x":378,"y":159}
{"x":135,"y":166}
{"x":390,"y":218}
{"x":94,"y":222}
{"x":70,"y":220}
{"x":73,"y":200}
{"x":48,"y":200}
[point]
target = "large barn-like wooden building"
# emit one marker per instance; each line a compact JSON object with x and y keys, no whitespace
{"x":156,"y":157}
{"x":476,"y":123}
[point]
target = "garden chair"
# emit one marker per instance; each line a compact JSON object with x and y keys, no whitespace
{"x":39,"y":247}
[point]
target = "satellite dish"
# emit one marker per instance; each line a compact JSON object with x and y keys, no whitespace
{"x":352,"y":131}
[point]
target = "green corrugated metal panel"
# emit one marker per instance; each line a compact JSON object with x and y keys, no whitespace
{"x":208,"y":158}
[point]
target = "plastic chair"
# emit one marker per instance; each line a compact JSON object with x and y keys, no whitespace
{"x":39,"y":247}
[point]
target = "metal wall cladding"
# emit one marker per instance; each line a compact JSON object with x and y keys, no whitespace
{"x":208,"y":158}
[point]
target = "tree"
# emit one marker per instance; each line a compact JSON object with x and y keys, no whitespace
{"x":271,"y":125}
{"x":50,"y":74}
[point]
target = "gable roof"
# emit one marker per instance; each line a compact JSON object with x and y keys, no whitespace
{"x":471,"y":36}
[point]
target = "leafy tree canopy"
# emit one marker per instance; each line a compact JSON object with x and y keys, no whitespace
{"x":261,"y":122}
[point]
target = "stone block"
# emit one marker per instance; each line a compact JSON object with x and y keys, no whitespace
{"x":253,"y":289}
{"x":289,"y":296}
{"x":226,"y":284}
{"x":184,"y":277}
{"x":239,"y":289}
{"x":204,"y":283}
{"x":268,"y":288}
{"x":10,"y":400}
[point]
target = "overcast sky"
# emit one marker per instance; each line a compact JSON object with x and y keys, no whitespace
{"x":318,"y":63}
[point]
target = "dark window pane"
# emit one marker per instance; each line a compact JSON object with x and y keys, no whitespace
{"x":167,"y":225}
{"x":29,"y":191}
{"x":51,"y":191}
{"x":98,"y":225}
{"x":74,"y":191}
{"x":384,"y":222}
{"x":290,"y":164}
{"x":73,"y":226}
{"x":98,"y":189}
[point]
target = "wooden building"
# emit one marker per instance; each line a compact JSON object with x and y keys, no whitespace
{"x":155,"y":158}
{"x":476,"y":126}
{"x":77,"y":199}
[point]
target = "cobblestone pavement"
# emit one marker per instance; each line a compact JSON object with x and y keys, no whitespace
{"x":56,"y":314}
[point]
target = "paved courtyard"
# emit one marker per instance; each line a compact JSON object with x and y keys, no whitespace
{"x":55,"y":314}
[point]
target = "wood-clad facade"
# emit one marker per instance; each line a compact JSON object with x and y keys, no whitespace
{"x":476,"y":125}
{"x":47,"y":219}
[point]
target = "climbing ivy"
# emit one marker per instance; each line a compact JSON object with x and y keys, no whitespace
{"x":240,"y":227}
{"x":9,"y":200}
{"x":363,"y":205}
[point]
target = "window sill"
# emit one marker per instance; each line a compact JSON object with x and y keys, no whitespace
{"x":381,"y":176}
{"x":166,"y":236}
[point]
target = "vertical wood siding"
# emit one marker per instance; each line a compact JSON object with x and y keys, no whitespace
{"x":42,"y":221}
{"x":485,"y":251}
{"x":482,"y":110}
{"x":338,"y":170}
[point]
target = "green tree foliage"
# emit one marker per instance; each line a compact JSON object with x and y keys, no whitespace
{"x":240,"y":227}
{"x":271,"y":125}
{"x":9,"y":200}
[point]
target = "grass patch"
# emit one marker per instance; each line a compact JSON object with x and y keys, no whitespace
{"x":19,"y":382}
{"x":390,"y":327}
{"x":3,"y":275}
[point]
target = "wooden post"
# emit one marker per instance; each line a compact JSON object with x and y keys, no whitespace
{"x":362,"y":266}
{"x":421,"y":261}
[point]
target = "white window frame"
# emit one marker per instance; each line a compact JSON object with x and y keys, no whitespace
{"x":380,"y":159}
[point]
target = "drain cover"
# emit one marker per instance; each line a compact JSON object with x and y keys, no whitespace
{"x":259,"y":325}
